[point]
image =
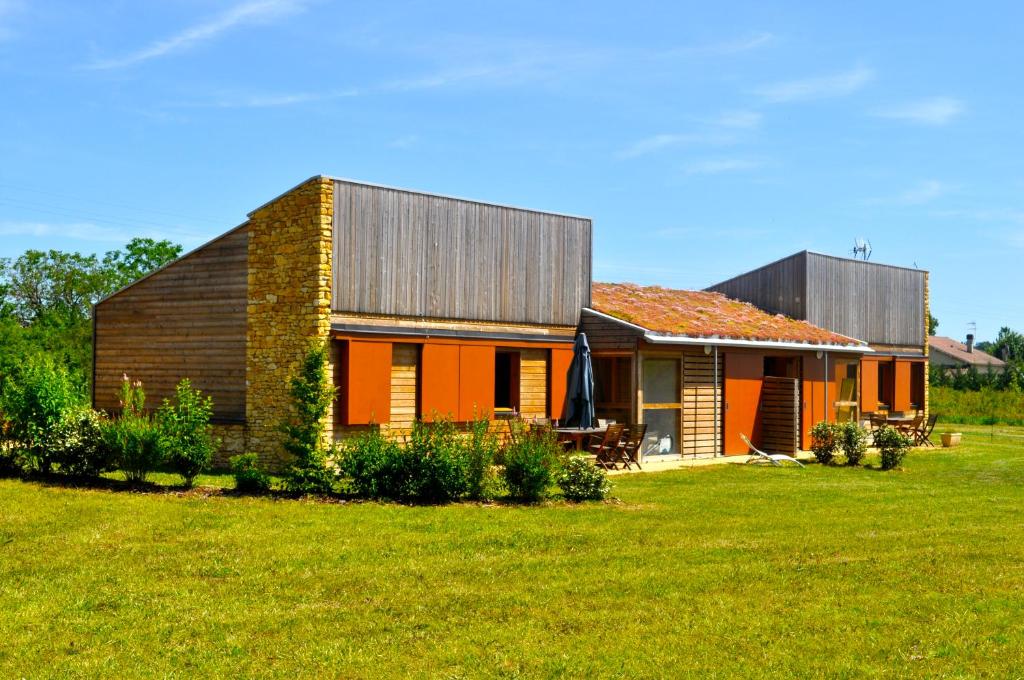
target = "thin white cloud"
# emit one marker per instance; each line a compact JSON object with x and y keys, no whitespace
{"x":255,"y":11}
{"x":741,"y":120}
{"x":661,"y":142}
{"x":924,"y":192}
{"x":717,"y":166}
{"x":8,"y":8}
{"x":697,"y":232}
{"x":934,"y":111}
{"x":738,"y":46}
{"x":88,"y":231}
{"x":403,"y":142}
{"x":821,"y":87}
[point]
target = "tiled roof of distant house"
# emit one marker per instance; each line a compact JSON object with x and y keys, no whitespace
{"x":703,"y":314}
{"x":958,"y":351}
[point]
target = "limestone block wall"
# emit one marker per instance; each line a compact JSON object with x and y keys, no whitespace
{"x":289,"y":301}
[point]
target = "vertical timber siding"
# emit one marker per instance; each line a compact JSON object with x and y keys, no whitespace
{"x":699,"y":407}
{"x":400,"y":253}
{"x":533,"y":383}
{"x":777,"y":288}
{"x":185,"y":321}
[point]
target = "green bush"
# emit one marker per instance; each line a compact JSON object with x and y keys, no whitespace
{"x":853,"y":440}
{"x":437,"y":463}
{"x":186,"y":436}
{"x":825,"y":442}
{"x":581,"y":480}
{"x":78,"y":446}
{"x":311,"y":394}
{"x":482,"y":481}
{"x":531,"y":462}
{"x":984,"y":407}
{"x":892,"y":445}
{"x":249,"y":478}
{"x":35,"y":401}
{"x":373,"y":466}
{"x":133,"y":439}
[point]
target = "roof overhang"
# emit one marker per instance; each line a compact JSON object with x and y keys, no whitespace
{"x":715,"y":341}
{"x":448,"y":333}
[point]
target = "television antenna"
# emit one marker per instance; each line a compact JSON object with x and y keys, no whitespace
{"x":861,"y":249}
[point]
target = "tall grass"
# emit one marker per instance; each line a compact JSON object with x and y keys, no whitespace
{"x":984,"y":407}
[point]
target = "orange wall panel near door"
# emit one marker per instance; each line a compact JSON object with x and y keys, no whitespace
{"x":557,"y":381}
{"x":901,"y":388}
{"x":868,"y":385}
{"x":369,"y":382}
{"x":812,"y":398}
{"x":439,"y":390}
{"x":744,"y":377}
{"x":476,"y":381}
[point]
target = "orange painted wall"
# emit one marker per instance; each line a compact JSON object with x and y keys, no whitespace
{"x":558,"y":374}
{"x":868,"y":385}
{"x":744,"y":376}
{"x":368,"y":385}
{"x":439,"y":381}
{"x":901,"y":390}
{"x":812,"y":396}
{"x":476,"y":380}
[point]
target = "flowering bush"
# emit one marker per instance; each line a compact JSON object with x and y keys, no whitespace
{"x":893,"y":445}
{"x":824,"y":442}
{"x":581,"y":480}
{"x":132,"y":438}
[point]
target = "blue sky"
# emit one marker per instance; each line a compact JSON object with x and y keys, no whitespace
{"x":703,"y":140}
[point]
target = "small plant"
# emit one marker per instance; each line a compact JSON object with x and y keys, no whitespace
{"x":482,"y":481}
{"x":893,"y":446}
{"x":372,"y":465}
{"x":530,"y":466}
{"x":824,"y":442}
{"x":581,"y":480}
{"x":436,"y":461}
{"x":133,"y":438}
{"x":249,"y":478}
{"x":78,"y":446}
{"x":186,"y":436}
{"x":853,"y":440}
{"x":312,"y":393}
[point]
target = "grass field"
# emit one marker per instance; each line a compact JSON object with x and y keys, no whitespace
{"x":714,"y":571}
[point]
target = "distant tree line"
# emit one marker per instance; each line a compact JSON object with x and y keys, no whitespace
{"x":46,"y":300}
{"x":1008,"y":346}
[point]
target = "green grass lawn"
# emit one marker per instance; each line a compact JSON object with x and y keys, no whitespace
{"x":720,"y":571}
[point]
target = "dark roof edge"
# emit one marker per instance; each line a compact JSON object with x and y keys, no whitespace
{"x":365,"y":329}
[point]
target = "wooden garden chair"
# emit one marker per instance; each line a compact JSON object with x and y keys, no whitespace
{"x":922,"y":437}
{"x":607,"y":447}
{"x":633,"y":441}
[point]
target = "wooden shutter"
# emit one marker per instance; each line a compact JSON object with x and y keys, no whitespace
{"x":439,"y":369}
{"x":368,"y":388}
{"x":901,"y":386}
{"x":868,"y":385}
{"x":558,"y":369}
{"x":744,"y":375}
{"x":476,"y":381}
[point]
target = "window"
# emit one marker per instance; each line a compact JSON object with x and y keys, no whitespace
{"x":885,"y":384}
{"x":917,"y":384}
{"x":662,"y":405}
{"x":506,"y":381}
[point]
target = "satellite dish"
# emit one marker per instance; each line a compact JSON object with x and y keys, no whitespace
{"x":862,"y":248}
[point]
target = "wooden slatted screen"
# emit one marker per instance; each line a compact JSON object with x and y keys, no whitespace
{"x":533,"y":383}
{"x":405,"y":359}
{"x":780,"y":415}
{"x":699,"y":405}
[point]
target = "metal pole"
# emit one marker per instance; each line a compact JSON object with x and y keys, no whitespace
{"x":717,"y":448}
{"x":826,"y":387}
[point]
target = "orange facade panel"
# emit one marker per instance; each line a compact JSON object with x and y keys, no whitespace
{"x":744,"y":377}
{"x":367,"y":383}
{"x":868,"y":385}
{"x":814,"y":406}
{"x":901,"y":398}
{"x":476,"y":381}
{"x":558,"y":367}
{"x":439,"y":391}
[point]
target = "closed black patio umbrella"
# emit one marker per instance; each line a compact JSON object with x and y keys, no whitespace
{"x":580,"y":389}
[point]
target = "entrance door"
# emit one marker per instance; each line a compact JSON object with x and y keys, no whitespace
{"x":744,"y":374}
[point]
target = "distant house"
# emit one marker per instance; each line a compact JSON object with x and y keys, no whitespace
{"x":701,"y":369}
{"x":951,"y":354}
{"x":884,"y":305}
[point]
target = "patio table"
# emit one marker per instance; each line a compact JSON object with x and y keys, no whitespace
{"x":576,"y":435}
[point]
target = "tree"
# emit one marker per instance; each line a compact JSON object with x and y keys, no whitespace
{"x":139,"y":257}
{"x":1009,"y":345}
{"x":933,"y":324}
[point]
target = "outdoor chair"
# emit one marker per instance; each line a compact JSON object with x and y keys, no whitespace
{"x":758,"y":456}
{"x":912,"y":427}
{"x":607,"y":447}
{"x":875,"y":423}
{"x":922,"y":437}
{"x":633,"y":441}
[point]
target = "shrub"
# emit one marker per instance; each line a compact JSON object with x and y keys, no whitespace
{"x":372,"y":465}
{"x":853,"y":440}
{"x":133,"y":438}
{"x":530,"y":464}
{"x":35,"y":401}
{"x":186,"y":436}
{"x":437,"y":463}
{"x":581,"y":480}
{"x":78,"y":445}
{"x":249,"y":478}
{"x":825,"y":442}
{"x":482,"y":481}
{"x":893,"y":446}
{"x":311,"y":393}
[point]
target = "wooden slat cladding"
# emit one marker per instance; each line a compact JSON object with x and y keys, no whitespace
{"x":533,"y":383}
{"x":606,"y":335}
{"x":185,"y":321}
{"x":780,"y":415}
{"x":405,"y":361}
{"x":777,"y":288}
{"x":416,"y":255}
{"x":699,"y":409}
{"x":872,"y":302}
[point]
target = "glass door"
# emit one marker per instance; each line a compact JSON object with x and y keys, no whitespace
{"x":662,"y":406}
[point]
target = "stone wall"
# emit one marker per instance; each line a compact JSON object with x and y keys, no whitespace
{"x":289,"y":289}
{"x":232,"y":442}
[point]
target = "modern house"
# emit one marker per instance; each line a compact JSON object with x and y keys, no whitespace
{"x":701,"y":369}
{"x":884,"y":305}
{"x":432,"y":305}
{"x":952,"y":355}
